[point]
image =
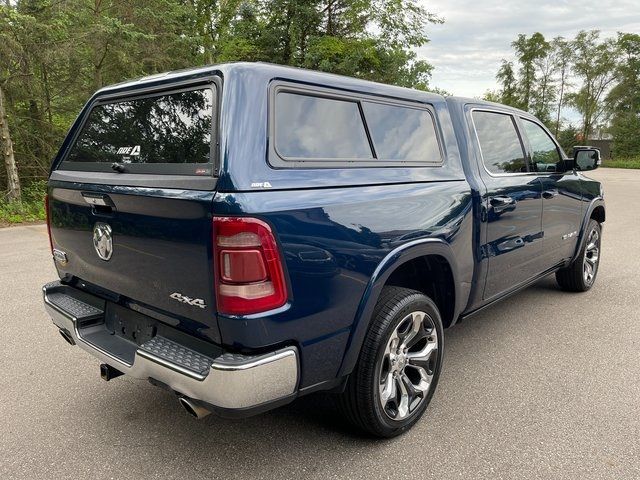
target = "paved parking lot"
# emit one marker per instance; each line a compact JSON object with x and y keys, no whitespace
{"x":543,"y":385}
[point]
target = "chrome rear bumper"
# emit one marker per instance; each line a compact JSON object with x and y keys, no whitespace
{"x":229,"y":381}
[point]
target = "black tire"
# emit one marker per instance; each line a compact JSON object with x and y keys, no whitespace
{"x":361,"y":402}
{"x":575,"y":278}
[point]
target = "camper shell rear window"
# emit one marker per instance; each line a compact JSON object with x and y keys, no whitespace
{"x":167,"y":132}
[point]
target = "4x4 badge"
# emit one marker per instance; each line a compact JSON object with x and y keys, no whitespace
{"x":102,"y":240}
{"x":194,"y":302}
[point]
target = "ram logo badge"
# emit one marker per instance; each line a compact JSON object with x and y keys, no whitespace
{"x":102,"y":240}
{"x":194,"y":302}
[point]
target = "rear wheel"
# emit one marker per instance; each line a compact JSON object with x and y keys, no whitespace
{"x":399,"y":364}
{"x":581,"y":274}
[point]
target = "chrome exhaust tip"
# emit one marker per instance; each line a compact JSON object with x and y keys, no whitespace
{"x":67,"y":336}
{"x":193,"y":408}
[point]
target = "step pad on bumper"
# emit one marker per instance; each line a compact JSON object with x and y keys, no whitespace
{"x":175,"y":354}
{"x":73,"y":306}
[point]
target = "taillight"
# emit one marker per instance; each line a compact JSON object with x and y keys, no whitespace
{"x":47,"y":215}
{"x":248,"y":268}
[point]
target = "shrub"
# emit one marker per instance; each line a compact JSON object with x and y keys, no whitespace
{"x":31,"y":209}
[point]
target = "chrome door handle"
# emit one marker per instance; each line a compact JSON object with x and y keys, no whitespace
{"x":101,"y":204}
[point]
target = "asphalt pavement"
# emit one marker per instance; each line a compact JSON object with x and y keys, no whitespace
{"x":545,"y":384}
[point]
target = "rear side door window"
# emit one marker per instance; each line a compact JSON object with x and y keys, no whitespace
{"x":500,"y":145}
{"x":545,"y":156}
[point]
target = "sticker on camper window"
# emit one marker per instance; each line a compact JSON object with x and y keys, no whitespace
{"x":135,"y":150}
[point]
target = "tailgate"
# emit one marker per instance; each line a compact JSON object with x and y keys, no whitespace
{"x":154,"y":249}
{"x":130,"y":199}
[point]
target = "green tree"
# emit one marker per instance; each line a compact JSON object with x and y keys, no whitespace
{"x":564,"y":58}
{"x":117,"y":40}
{"x":54,"y":54}
{"x":492,"y":96}
{"x":568,"y":138}
{"x":14,"y":191}
{"x":26,"y":75}
{"x":210,"y":23}
{"x":598,"y":77}
{"x":509,"y":85}
{"x":624,"y":99}
{"x":529,"y":52}
{"x":371,"y":39}
{"x":544,"y":91}
{"x":594,"y":65}
{"x":532,"y":86}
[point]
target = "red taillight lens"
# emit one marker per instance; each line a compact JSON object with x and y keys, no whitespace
{"x":242,"y":266}
{"x":248,"y":268}
{"x":47,"y":215}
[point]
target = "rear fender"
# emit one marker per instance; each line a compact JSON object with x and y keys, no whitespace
{"x":397,"y":257}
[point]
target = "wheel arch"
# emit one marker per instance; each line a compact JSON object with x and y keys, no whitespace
{"x":596,"y":211}
{"x":394,"y":262}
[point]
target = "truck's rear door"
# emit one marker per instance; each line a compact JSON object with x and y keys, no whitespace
{"x":130,"y":201}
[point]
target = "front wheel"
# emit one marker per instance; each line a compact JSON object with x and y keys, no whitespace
{"x":581,"y":274}
{"x":399,"y":364}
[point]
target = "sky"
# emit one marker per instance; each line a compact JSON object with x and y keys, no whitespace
{"x":467,"y":48}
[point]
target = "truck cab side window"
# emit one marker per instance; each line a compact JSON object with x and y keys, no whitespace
{"x":545,"y":155}
{"x":500,"y":144}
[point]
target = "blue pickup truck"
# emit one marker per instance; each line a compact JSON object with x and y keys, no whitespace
{"x":245,"y":234}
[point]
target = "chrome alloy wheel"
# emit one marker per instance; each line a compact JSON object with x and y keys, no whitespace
{"x":408,"y":365}
{"x":591,"y":256}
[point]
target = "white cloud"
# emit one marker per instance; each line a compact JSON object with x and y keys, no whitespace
{"x":467,"y":49}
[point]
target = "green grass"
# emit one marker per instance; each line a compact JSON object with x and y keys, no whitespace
{"x":633,"y":162}
{"x":31,"y":209}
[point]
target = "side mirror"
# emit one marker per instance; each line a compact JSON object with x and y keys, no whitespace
{"x":586,"y":159}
